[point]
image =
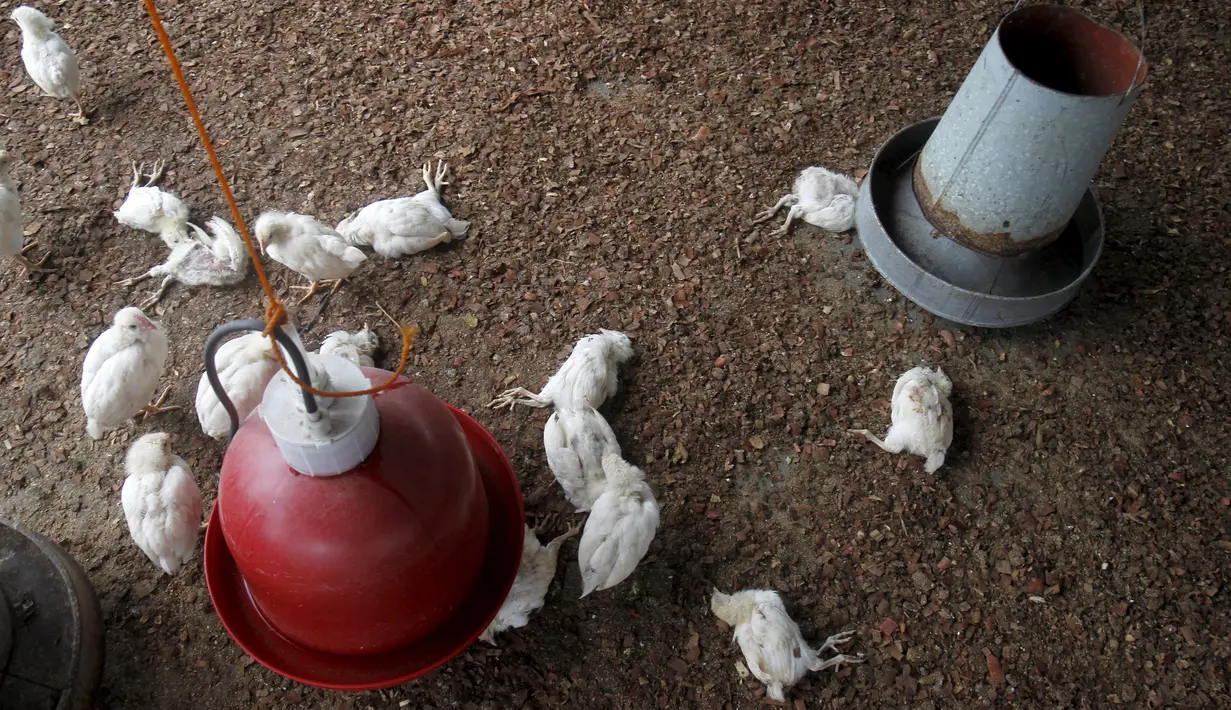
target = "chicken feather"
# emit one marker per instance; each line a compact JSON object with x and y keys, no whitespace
{"x":49,"y":60}
{"x":576,"y":440}
{"x":773,"y":647}
{"x":162,"y":502}
{"x":620,"y":528}
{"x":121,"y":371}
{"x":587,"y":378}
{"x":534,"y":575}
{"x":405,"y":225}
{"x":245,"y":366}
{"x":821,"y":198}
{"x":922,"y":417}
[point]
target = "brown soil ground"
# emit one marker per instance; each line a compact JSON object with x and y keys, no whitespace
{"x":610,"y":157}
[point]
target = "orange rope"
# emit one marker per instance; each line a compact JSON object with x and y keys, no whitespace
{"x":275,"y":312}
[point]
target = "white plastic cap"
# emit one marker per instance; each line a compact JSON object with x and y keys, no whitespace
{"x":344,"y":431}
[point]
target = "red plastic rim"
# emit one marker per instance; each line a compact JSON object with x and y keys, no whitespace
{"x":269,"y":648}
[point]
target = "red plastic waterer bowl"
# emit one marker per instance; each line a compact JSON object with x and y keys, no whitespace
{"x":371,"y":546}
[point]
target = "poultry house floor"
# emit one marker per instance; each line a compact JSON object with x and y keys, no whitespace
{"x":1073,"y":552}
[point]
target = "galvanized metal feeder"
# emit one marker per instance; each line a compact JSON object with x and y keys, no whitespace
{"x":985,"y":216}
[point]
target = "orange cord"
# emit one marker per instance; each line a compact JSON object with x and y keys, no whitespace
{"x":275,"y":312}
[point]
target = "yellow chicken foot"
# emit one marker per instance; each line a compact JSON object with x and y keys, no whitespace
{"x":156,"y":407}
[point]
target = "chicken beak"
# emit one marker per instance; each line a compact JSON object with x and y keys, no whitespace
{"x":261,"y":245}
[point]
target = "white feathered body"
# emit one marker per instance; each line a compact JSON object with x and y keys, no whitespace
{"x":307,"y":247}
{"x":402,"y":226}
{"x":922,"y":415}
{"x":621,"y":526}
{"x":534,"y":575}
{"x":154,"y":210}
{"x":49,"y":60}
{"x":576,"y":440}
{"x":774,"y":649}
{"x":121,"y":370}
{"x":162,"y":503}
{"x":826,"y":199}
{"x":358,"y":347}
{"x":590,"y":375}
{"x":11,"y":236}
{"x":245,"y":366}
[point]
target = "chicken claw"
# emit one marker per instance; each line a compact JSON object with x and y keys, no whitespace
{"x":837,"y":661}
{"x":832,"y":643}
{"x":79,"y":116}
{"x":517,"y":395}
{"x":435,"y":184}
{"x":31,"y":267}
{"x":156,"y":407}
{"x":144,"y":179}
{"x":786,"y":201}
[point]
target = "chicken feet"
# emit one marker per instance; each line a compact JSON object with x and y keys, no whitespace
{"x":442,"y":170}
{"x":795,"y":212}
{"x":156,"y":407}
{"x":316,"y":286}
{"x":832,"y":643}
{"x":79,"y":116}
{"x":518,"y":395}
{"x":144,"y":179}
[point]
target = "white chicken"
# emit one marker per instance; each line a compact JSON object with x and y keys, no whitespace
{"x":12,"y":237}
{"x":121,"y":372}
{"x":538,"y":566}
{"x":821,"y":198}
{"x":358,"y":347}
{"x":49,"y":60}
{"x":620,"y":528}
{"x":922,"y":417}
{"x":152,"y":209}
{"x":245,"y":366}
{"x":214,"y":259}
{"x":587,"y":378}
{"x":307,"y":247}
{"x":576,"y":440}
{"x":773,"y":647}
{"x":406,"y":225}
{"x":162,"y":502}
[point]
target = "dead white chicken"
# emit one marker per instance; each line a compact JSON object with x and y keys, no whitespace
{"x":245,"y":366}
{"x":49,"y":60}
{"x":587,"y":378}
{"x":121,"y":372}
{"x":538,"y":567}
{"x":358,"y":347}
{"x":922,"y":417}
{"x":773,"y":647}
{"x":162,"y":502}
{"x":620,"y":528}
{"x":12,"y":237}
{"x":821,"y":198}
{"x":152,"y":209}
{"x":307,"y":247}
{"x":405,"y":225}
{"x":218,"y":258}
{"x":576,"y":440}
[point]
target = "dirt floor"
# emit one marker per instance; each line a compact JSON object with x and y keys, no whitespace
{"x":1072,"y":552}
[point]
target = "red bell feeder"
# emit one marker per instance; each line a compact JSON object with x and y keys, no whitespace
{"x":358,"y":542}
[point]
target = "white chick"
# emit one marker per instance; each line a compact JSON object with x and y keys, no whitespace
{"x":357,"y":347}
{"x":245,"y":366}
{"x":162,"y":502}
{"x":576,"y":440}
{"x":152,"y":209}
{"x":822,"y":198}
{"x":586,"y":379}
{"x":620,"y":528}
{"x":307,"y":247}
{"x":215,"y":259}
{"x":538,"y":566}
{"x":121,"y":372}
{"x":405,"y":225}
{"x":773,"y":647}
{"x":11,"y":236}
{"x":922,"y":417}
{"x":49,"y":61}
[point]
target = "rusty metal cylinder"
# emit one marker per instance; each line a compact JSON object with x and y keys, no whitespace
{"x":1016,"y":150}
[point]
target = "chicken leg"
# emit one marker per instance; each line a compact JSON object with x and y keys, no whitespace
{"x":832,"y":643}
{"x":144,"y":179}
{"x":79,"y":116}
{"x":435,"y":185}
{"x":316,"y":286}
{"x":518,"y":395}
{"x":836,"y":662}
{"x":892,"y":447}
{"x":156,"y":407}
{"x":787,"y":200}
